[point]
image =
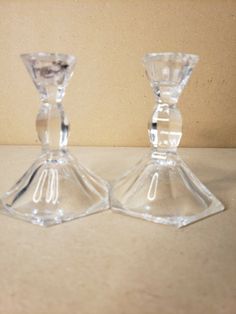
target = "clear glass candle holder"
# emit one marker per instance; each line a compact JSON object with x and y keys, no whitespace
{"x":56,"y":188}
{"x":161,"y":188}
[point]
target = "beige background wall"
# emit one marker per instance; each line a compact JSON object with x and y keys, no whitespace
{"x":109,"y":100}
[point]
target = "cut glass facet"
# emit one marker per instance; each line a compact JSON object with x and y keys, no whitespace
{"x":56,"y":188}
{"x":161,"y":188}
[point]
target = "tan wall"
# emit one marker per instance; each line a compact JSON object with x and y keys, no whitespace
{"x":109,"y":100}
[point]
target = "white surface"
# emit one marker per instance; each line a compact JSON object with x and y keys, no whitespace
{"x":109,"y":263}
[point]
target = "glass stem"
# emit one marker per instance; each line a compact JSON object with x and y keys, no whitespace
{"x":53,"y":127}
{"x":165,"y":128}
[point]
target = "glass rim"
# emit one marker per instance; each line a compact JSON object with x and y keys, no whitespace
{"x":158,"y":55}
{"x":48,"y":54}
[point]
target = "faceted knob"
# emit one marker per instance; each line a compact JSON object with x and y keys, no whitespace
{"x":165,"y":127}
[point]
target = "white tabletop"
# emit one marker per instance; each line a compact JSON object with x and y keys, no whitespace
{"x":113,"y":264}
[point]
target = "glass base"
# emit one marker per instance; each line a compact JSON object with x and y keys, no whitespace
{"x":162,"y":189}
{"x":56,"y":189}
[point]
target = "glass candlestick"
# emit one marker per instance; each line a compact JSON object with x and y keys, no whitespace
{"x":56,"y":188}
{"x":161,"y":187}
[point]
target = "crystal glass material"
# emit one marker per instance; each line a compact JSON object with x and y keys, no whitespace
{"x":161,"y":187}
{"x":56,"y":188}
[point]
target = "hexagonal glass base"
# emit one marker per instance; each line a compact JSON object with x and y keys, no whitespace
{"x":56,"y":189}
{"x":164,"y":190}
